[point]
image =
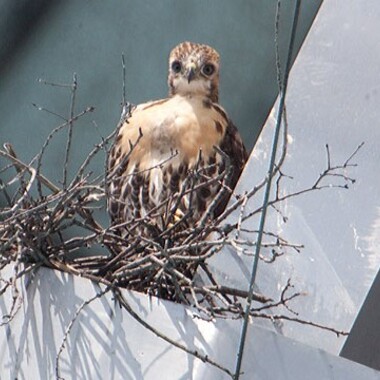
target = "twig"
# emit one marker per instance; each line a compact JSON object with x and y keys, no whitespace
{"x":69,"y":130}
{"x":204,"y":358}
{"x":282,"y":317}
{"x":70,"y":326}
{"x":21,"y":166}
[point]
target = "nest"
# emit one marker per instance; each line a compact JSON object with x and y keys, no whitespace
{"x":55,"y":226}
{"x":59,"y":226}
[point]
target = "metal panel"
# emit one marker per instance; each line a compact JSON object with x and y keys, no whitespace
{"x":105,"y":342}
{"x":332,"y":99}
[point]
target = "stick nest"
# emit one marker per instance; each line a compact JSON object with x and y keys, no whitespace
{"x":58,"y":226}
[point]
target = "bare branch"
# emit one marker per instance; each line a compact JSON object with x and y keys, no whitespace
{"x":70,"y":326}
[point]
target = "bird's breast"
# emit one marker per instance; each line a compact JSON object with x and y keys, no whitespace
{"x":178,"y":126}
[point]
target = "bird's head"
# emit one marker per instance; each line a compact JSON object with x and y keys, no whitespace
{"x":194,"y":70}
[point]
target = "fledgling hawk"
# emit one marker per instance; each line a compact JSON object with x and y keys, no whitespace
{"x":172,"y":157}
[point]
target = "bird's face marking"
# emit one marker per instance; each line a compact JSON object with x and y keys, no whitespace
{"x":194,"y":70}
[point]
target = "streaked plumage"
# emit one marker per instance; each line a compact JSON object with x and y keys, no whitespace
{"x":163,"y":163}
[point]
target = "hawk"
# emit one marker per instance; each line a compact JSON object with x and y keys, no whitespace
{"x":175,"y":161}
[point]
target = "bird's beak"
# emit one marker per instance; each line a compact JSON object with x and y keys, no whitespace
{"x":191,"y":72}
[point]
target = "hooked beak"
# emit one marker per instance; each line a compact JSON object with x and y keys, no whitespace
{"x":190,"y":72}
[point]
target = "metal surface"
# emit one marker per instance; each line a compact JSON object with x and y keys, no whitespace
{"x":105,"y":342}
{"x":332,"y":99}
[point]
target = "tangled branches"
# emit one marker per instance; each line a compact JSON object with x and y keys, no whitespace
{"x":43,"y":223}
{"x":51,"y":225}
{"x":46,"y":224}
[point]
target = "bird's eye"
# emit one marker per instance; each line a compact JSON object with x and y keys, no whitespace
{"x":176,"y":66}
{"x":208,"y":69}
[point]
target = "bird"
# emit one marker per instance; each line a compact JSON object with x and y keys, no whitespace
{"x":175,"y":161}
